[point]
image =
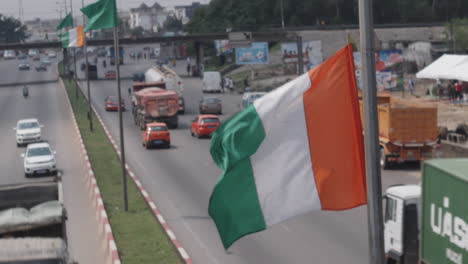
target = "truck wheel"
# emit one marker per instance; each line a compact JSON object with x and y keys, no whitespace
{"x":384,"y":163}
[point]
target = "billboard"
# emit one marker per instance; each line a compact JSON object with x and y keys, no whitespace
{"x":311,"y":52}
{"x":388,"y":69}
{"x":222,"y":47}
{"x":257,"y":53}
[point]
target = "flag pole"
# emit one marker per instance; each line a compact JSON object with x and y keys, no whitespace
{"x":74,"y":51}
{"x":85,"y":47}
{"x":371,"y":143}
{"x":122,"y":146}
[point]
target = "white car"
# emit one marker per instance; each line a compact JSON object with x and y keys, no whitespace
{"x":28,"y":131}
{"x":52,"y":54}
{"x":39,"y":158}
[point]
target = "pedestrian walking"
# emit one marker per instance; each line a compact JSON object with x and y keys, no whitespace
{"x":411,"y":86}
{"x":451,"y":90}
{"x":188,"y":69}
{"x":458,"y":91}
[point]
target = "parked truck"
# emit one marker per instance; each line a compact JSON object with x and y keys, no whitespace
{"x":112,"y":55}
{"x":171,"y":79}
{"x":155,"y":104}
{"x":407,"y":131}
{"x":33,"y":224}
{"x":428,"y":223}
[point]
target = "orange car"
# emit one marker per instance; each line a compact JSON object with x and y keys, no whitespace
{"x":156,"y":134}
{"x":204,"y":125}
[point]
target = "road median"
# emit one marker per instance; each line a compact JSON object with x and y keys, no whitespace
{"x":138,"y":236}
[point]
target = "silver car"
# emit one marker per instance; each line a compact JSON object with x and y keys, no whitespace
{"x":27,"y":131}
{"x":39,"y":158}
{"x":211,"y":105}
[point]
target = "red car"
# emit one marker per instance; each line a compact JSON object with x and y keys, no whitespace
{"x":156,"y":134}
{"x":204,"y":125}
{"x":110,"y":75}
{"x":111,"y":103}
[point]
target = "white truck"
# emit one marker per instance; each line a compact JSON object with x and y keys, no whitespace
{"x":211,"y":82}
{"x":172,"y":81}
{"x":33,"y":224}
{"x":428,"y":223}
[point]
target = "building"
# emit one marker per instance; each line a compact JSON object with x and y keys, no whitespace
{"x":185,"y":13}
{"x":150,"y":18}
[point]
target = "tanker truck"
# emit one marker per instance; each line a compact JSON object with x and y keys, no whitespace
{"x":155,"y":105}
{"x":172,"y":81}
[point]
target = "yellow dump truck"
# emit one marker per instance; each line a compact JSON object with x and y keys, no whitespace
{"x":407,"y":130}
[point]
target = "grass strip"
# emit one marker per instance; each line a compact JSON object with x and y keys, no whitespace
{"x":139,"y":237}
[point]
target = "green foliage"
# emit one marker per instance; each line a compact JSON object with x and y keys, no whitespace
{"x":459,"y":29}
{"x":137,"y":31}
{"x":11,"y":30}
{"x":139,"y":238}
{"x":173,"y":24}
{"x":252,"y":15}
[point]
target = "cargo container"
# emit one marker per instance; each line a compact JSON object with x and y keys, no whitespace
{"x":407,"y":131}
{"x":156,"y":105}
{"x":440,"y":235}
{"x":33,"y":223}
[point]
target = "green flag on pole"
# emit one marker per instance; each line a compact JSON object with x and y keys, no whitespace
{"x":65,"y":39}
{"x":102,"y":14}
{"x":66,"y":22}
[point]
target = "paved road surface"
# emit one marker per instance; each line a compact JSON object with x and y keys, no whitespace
{"x":11,"y":73}
{"x":48,"y":103}
{"x":180,"y":181}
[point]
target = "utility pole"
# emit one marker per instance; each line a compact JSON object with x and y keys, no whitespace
{"x":85,"y":47}
{"x":282,"y":14}
{"x":122,"y":142}
{"x":74,"y":52}
{"x":371,"y":139}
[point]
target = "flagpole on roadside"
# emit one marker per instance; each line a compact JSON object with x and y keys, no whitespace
{"x":74,"y":52}
{"x":122,"y":145}
{"x":371,"y":139}
{"x":85,"y":47}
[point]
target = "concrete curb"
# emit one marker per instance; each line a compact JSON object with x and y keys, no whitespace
{"x":180,"y":250}
{"x":104,"y":228}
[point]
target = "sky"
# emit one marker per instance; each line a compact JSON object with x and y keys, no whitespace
{"x":51,"y":9}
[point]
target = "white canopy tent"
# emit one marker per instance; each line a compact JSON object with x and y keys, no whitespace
{"x":448,"y":66}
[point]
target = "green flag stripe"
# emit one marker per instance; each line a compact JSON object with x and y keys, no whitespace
{"x":234,"y":204}
{"x":101,"y":14}
{"x":66,"y":22}
{"x":65,"y":39}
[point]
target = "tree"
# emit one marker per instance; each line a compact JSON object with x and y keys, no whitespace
{"x":261,"y":14}
{"x":173,"y":24}
{"x":457,"y":35}
{"x":11,"y":30}
{"x":137,"y":31}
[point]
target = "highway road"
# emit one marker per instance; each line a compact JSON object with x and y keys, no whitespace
{"x":11,"y":74}
{"x":180,"y":181}
{"x":48,"y":103}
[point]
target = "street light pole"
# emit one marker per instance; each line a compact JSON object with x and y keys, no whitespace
{"x":122,"y":142}
{"x":74,"y":51}
{"x":282,"y":13}
{"x":85,"y":47}
{"x":371,"y":139}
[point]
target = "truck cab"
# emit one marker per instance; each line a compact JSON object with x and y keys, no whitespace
{"x":401,"y":223}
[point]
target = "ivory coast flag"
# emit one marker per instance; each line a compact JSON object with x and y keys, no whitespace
{"x":76,"y":37}
{"x":298,"y":148}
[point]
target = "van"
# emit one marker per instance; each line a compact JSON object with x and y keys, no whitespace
{"x":211,"y":82}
